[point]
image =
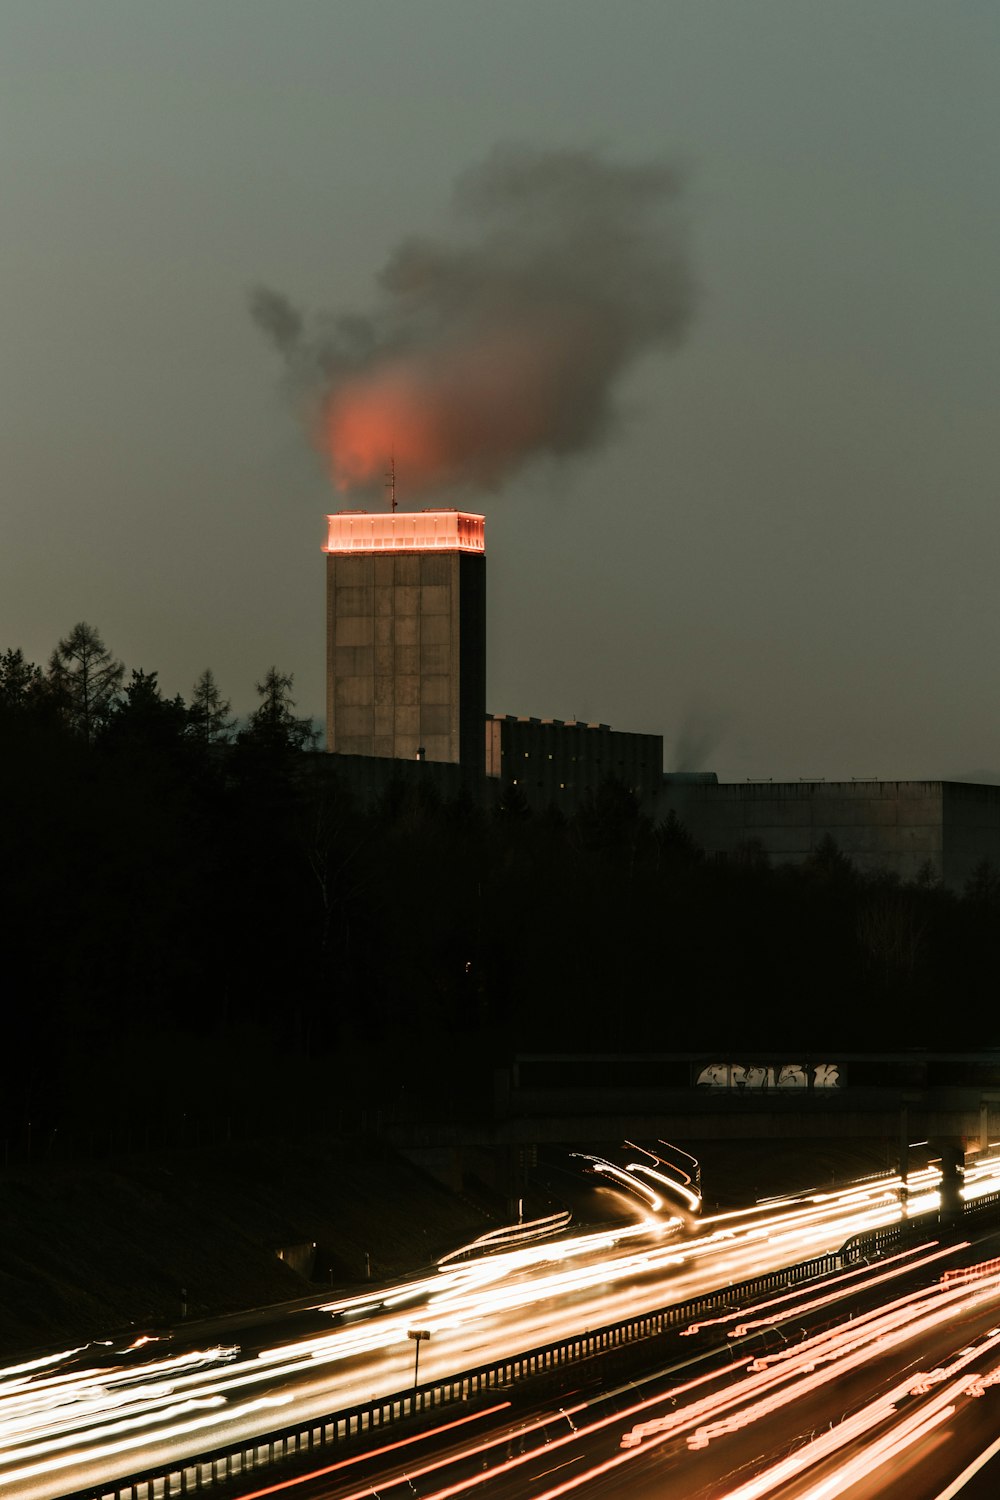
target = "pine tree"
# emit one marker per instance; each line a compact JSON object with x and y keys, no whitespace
{"x":21,"y":682}
{"x":209,"y":712}
{"x":274,"y":725}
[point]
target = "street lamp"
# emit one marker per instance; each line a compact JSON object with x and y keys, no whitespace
{"x":416,"y":1334}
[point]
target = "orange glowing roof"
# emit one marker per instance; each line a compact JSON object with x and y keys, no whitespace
{"x":405,"y":531}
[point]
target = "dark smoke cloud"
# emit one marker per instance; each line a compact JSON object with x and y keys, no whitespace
{"x":698,"y":738}
{"x":276,"y":317}
{"x":505,"y":342}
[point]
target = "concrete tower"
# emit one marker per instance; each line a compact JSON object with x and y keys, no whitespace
{"x":406,"y":635}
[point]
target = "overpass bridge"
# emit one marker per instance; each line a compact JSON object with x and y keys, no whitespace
{"x":951,"y":1099}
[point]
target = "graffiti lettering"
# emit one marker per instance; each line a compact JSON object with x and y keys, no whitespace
{"x":743,"y":1077}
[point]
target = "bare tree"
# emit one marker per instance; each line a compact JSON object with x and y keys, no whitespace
{"x":87,"y":678}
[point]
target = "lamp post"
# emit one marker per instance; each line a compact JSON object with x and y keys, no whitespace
{"x":416,"y":1334}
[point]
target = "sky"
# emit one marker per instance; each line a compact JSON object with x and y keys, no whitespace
{"x":778,"y":546}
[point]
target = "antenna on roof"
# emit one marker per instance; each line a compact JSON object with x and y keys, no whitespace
{"x":390,"y":481}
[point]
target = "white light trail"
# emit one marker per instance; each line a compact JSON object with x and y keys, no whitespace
{"x":533,"y":1292}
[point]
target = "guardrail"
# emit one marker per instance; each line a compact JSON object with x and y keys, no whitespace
{"x":889,"y":1237}
{"x":222,"y":1465}
{"x":198,"y":1474}
{"x":983,"y":1207}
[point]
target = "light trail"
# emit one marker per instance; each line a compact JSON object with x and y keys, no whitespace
{"x":501,"y":1302}
{"x":752,"y":1400}
{"x":749,"y":1401}
{"x":374,"y":1453}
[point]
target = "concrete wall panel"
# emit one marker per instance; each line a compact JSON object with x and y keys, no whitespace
{"x":354,"y":722}
{"x":435,"y":599}
{"x":435,"y":630}
{"x":434,"y":659}
{"x":353,"y":601}
{"x":353,"y":661}
{"x":436,"y":690}
{"x":353,"y":692}
{"x":435,"y":720}
{"x":436,"y":568}
{"x":354,"y":630}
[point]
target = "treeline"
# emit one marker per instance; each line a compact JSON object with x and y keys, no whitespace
{"x":201,"y":922}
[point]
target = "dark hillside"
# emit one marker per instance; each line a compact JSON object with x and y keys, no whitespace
{"x":88,"y":1250}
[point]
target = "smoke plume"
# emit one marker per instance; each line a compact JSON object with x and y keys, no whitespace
{"x":698,"y":738}
{"x":504,"y":342}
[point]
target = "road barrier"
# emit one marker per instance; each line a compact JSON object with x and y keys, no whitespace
{"x":890,"y":1237}
{"x":224,"y":1465}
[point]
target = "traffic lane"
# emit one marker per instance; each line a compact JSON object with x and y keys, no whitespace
{"x":312,"y":1398}
{"x":671,"y":1470}
{"x":512,"y":1470}
{"x":979,"y":1479}
{"x":314,"y":1390}
{"x":931,"y":1467}
{"x":919,"y":1472}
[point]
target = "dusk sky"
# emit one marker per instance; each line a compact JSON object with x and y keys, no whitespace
{"x":778,"y":544}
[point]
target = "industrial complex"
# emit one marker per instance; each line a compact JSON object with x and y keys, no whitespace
{"x":406,"y":698}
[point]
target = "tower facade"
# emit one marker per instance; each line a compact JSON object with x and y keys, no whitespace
{"x":406,"y":635}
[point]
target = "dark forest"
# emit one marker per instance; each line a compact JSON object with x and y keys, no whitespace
{"x":201,"y":926}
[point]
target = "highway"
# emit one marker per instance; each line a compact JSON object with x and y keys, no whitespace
{"x":82,"y":1417}
{"x":893,"y":1396}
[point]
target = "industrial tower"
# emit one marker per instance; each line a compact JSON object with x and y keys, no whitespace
{"x":406,"y":635}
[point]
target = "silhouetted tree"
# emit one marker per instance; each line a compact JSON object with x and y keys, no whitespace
{"x":143,"y":719}
{"x":209,"y":716}
{"x":21,"y":683}
{"x":87,"y":679}
{"x":273,"y":725}
{"x":677,"y":848}
{"x":982,"y":889}
{"x":511,"y":803}
{"x":828,"y":864}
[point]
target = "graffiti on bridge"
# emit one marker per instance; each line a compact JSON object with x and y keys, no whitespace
{"x":743,"y":1077}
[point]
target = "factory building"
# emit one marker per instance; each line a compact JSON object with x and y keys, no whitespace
{"x":406,"y":682}
{"x":559,"y":763}
{"x":406,"y":635}
{"x":912,"y":829}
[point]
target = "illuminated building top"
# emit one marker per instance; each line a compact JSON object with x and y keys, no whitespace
{"x":405,"y":531}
